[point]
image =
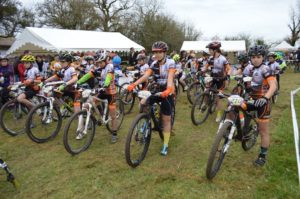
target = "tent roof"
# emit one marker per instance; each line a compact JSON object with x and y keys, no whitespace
{"x":283,"y":46}
{"x":229,"y":46}
{"x":55,"y":40}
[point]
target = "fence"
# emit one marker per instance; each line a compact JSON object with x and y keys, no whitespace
{"x":296,"y":130}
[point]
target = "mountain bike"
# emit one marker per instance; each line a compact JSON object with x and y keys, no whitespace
{"x":13,"y":113}
{"x":140,"y":132}
{"x":44,"y":121}
{"x":80,"y":129}
{"x":230,"y":129}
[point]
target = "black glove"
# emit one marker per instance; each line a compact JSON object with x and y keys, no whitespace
{"x":261,"y":102}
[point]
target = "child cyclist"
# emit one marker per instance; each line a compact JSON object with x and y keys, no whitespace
{"x":274,"y":66}
{"x":263,"y":86}
{"x":220,"y":70}
{"x":165,"y":69}
{"x":68,"y":74}
{"x":106,"y":74}
{"x":32,"y":78}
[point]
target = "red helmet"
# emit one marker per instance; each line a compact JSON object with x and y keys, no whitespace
{"x":160,"y":46}
{"x":214,"y":45}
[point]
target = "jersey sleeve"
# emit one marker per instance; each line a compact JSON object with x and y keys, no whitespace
{"x":266,"y":71}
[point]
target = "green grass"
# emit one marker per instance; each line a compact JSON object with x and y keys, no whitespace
{"x":48,"y":171}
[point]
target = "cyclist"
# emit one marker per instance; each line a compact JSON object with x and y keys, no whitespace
{"x":6,"y":78}
{"x":243,"y":63}
{"x":164,"y":68}
{"x":274,"y":66}
{"x":263,"y":86}
{"x":116,"y":61}
{"x":32,"y":77}
{"x":106,"y":74}
{"x":220,"y":70}
{"x":90,"y":63}
{"x":68,"y":74}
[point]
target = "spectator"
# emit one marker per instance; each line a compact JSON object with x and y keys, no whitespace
{"x":21,"y":67}
{"x":132,"y":57}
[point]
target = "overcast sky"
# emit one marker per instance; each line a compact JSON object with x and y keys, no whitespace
{"x":261,"y":18}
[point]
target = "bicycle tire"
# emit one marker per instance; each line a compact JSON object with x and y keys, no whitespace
{"x":191,"y":96}
{"x":120,"y":115}
{"x":145,"y":140}
{"x":249,"y":140}
{"x":197,"y":105}
{"x":29,"y":122}
{"x":5,"y":107}
{"x":66,"y":140}
{"x":211,"y":168}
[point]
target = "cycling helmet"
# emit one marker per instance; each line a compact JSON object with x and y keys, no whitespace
{"x":141,"y":57}
{"x":101,"y":58}
{"x":76,"y":58}
{"x":160,"y":46}
{"x":66,"y":57}
{"x":176,"y":58}
{"x":116,"y":60}
{"x":89,"y":57}
{"x":272,"y":54}
{"x":243,"y":58}
{"x":57,"y":66}
{"x":257,"y":50}
{"x":214,"y":45}
{"x":278,"y":56}
{"x":28,"y":58}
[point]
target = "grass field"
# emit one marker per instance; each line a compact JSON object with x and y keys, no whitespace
{"x":48,"y":171}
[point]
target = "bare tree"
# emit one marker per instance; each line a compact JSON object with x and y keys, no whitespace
{"x":69,"y":14}
{"x":110,"y":13}
{"x":294,"y":27}
{"x":13,"y":18}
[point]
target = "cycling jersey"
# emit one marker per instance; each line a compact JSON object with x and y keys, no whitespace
{"x":274,"y":67}
{"x":68,"y":73}
{"x":7,"y":74}
{"x":219,"y":66}
{"x":260,"y":77}
{"x":31,"y":73}
{"x":162,"y":72}
{"x":88,"y":67}
{"x":144,"y":68}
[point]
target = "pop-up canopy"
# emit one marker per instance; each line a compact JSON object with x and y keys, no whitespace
{"x":55,"y":40}
{"x":228,"y":46}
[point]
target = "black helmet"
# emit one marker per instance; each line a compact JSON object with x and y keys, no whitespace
{"x":214,"y":45}
{"x":257,"y":50}
{"x":66,"y":57}
{"x":243,"y":58}
{"x":272,"y":54}
{"x":160,"y":46}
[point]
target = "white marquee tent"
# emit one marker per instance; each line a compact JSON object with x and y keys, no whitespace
{"x":40,"y":40}
{"x":283,"y":46}
{"x":228,"y":46}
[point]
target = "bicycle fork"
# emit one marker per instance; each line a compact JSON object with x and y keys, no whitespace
{"x":87,"y":120}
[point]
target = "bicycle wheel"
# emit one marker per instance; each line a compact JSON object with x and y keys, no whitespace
{"x":119,"y":115}
{"x":200,"y":109}
{"x":43,"y":124}
{"x":217,"y":153}
{"x":76,"y":139}
{"x":138,"y":140}
{"x":250,"y":137}
{"x":12,"y":117}
{"x":194,"y":91}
